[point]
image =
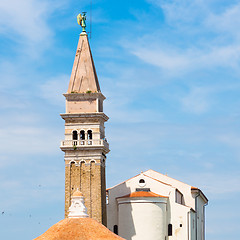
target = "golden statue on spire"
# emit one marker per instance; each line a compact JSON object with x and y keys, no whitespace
{"x":81,"y":19}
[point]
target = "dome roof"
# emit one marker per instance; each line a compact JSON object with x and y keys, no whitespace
{"x":78,"y":228}
{"x":77,"y":193}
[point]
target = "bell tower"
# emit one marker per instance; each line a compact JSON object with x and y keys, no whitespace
{"x":85,"y":145}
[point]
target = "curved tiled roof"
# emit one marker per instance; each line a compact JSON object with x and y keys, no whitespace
{"x":142,"y":194}
{"x":78,"y":229}
{"x":77,"y":194}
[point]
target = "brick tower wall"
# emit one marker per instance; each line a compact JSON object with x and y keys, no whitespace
{"x":89,"y":178}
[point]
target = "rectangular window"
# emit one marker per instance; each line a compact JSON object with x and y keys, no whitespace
{"x":115,"y":229}
{"x":169,"y":229}
{"x":179,"y":197}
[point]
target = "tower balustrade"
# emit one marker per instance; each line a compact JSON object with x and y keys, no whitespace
{"x":84,"y":143}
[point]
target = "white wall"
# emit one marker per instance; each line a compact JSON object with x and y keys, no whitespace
{"x":142,"y":219}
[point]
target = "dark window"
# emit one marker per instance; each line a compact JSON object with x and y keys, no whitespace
{"x":141,"y":181}
{"x":143,"y":190}
{"x":82,"y":135}
{"x":89,"y":132}
{"x":115,"y":229}
{"x":75,"y":135}
{"x":169,"y":229}
{"x":180,"y":225}
{"x":179,"y":197}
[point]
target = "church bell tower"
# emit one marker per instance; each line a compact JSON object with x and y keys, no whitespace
{"x":85,"y":145}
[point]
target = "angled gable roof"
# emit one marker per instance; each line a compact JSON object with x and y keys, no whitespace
{"x":166,"y":180}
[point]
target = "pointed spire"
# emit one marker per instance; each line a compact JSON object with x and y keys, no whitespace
{"x":77,"y":208}
{"x":83,"y":78}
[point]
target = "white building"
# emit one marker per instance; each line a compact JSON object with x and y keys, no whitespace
{"x":153,"y":206}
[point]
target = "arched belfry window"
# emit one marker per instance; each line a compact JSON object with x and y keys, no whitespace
{"x":89,"y":136}
{"x":89,"y":132}
{"x":75,"y":136}
{"x":82,"y":135}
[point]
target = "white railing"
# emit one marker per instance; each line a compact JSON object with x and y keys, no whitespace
{"x":83,"y":143}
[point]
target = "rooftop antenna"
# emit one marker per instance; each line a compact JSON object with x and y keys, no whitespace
{"x":90,"y":35}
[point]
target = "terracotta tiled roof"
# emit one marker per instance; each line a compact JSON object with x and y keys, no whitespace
{"x":142,"y":194}
{"x":78,"y":229}
{"x":77,"y":194}
{"x":204,"y":196}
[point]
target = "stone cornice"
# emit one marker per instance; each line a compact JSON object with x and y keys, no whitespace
{"x":83,"y":96}
{"x":98,"y":115}
{"x":86,"y":148}
{"x":77,"y":163}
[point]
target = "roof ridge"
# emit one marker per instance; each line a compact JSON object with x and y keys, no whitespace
{"x":169,"y":177}
{"x":158,"y":180}
{"x":143,"y":194}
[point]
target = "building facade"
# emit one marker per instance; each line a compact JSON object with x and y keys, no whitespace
{"x":149,"y":206}
{"x":154,"y":206}
{"x":85,"y":145}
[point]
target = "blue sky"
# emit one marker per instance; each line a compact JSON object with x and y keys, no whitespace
{"x":170,"y":70}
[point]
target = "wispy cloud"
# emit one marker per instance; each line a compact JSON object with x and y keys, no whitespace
{"x":194,"y":19}
{"x":25,"y":18}
{"x":30,"y":188}
{"x":215,"y":185}
{"x":177,"y":61}
{"x":26,"y":23}
{"x":225,"y":22}
{"x":197,"y":101}
{"x":186,"y":13}
{"x":52,"y":90}
{"x":232,"y":140}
